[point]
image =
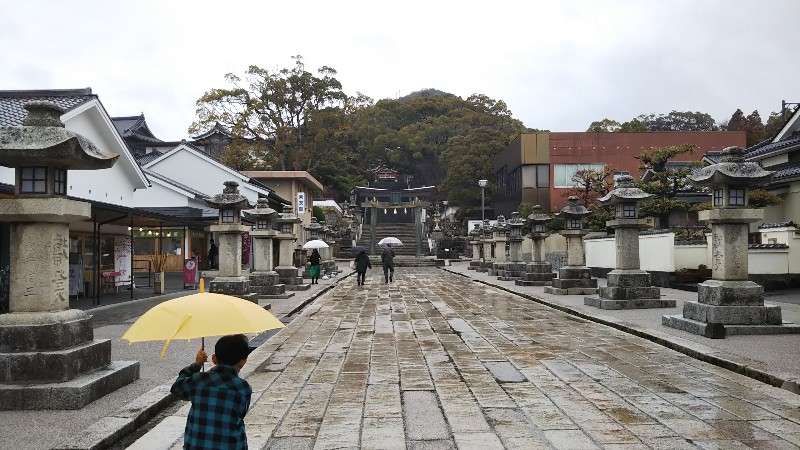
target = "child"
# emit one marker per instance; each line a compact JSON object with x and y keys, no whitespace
{"x":220,"y":399}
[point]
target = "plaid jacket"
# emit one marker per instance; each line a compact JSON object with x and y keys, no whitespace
{"x":220,"y":400}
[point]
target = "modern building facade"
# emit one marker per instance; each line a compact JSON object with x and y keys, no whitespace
{"x":537,"y":168}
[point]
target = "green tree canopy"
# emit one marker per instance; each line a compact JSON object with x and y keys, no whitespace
{"x":665,"y":182}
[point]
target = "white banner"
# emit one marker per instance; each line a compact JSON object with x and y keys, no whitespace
{"x":301,"y":202}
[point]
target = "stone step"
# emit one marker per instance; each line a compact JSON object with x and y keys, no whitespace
{"x":56,"y":365}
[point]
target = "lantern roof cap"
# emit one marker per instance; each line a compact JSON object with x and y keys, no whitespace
{"x":230,"y":198}
{"x":733,"y":169}
{"x":538,"y":215}
{"x":625,"y":193}
{"x":43,"y":140}
{"x":261,"y":211}
{"x":314,"y":224}
{"x":574,"y":210}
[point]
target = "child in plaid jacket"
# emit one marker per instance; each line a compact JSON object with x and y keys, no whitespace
{"x":220,"y":399}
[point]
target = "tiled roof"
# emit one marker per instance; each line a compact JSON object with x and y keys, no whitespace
{"x":787,"y":172}
{"x":12,"y":112}
{"x":764,"y":148}
{"x":134,"y":127}
{"x":789,"y":224}
{"x":147,"y":158}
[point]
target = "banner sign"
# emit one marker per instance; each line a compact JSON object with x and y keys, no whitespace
{"x":301,"y":202}
{"x":189,"y":271}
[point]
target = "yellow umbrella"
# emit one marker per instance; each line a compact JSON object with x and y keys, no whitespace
{"x":200,"y":315}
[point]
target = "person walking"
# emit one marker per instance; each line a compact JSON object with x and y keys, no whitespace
{"x":314,"y":268}
{"x":213,"y":252}
{"x":362,"y":264}
{"x":387,"y":259}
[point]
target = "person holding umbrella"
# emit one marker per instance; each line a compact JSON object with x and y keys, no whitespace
{"x":387,"y":258}
{"x":220,"y":399}
{"x":362,"y":264}
{"x":314,"y":268}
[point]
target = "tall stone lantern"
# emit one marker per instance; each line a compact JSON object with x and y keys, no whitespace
{"x":285,"y":224}
{"x":538,"y":272}
{"x":514,"y":267}
{"x":729,"y":303}
{"x":264,"y":281}
{"x":574,"y":278}
{"x":628,"y":286}
{"x":229,"y":230}
{"x":49,"y":358}
{"x":475,"y":242}
{"x":497,"y":246}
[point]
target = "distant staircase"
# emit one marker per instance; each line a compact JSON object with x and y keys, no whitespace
{"x":406,"y":232}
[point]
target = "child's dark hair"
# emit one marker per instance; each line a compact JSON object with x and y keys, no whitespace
{"x":231,"y":349}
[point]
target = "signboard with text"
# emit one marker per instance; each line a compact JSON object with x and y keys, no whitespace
{"x":301,"y":202}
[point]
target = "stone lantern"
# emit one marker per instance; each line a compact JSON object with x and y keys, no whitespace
{"x":575,"y":277}
{"x":314,"y":230}
{"x":229,"y":231}
{"x":729,"y":303}
{"x":264,"y":281}
{"x":49,"y":358}
{"x":628,"y":286}
{"x":514,"y":267}
{"x":475,"y":242}
{"x":486,"y":247}
{"x":285,"y":225}
{"x":538,"y":272}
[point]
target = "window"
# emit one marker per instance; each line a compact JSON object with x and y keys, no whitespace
{"x":574,"y":224}
{"x":736,"y":197}
{"x":60,"y":186}
{"x":536,"y":175}
{"x":33,"y":180}
{"x":629,"y":211}
{"x":563,"y":173}
{"x":262,"y":224}
{"x":717,"y":197}
{"x":227,"y":216}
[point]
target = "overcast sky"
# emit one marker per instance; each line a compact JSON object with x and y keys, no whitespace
{"x":558,"y":65}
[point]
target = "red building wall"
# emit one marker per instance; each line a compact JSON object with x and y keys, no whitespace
{"x":618,"y":150}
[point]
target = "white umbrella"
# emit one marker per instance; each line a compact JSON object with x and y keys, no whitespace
{"x":315,"y":243}
{"x":390,"y":240}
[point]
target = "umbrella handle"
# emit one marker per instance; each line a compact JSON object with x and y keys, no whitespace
{"x":203,"y":347}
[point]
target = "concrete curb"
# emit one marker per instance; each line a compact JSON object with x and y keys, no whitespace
{"x":695,"y":350}
{"x":111,"y":429}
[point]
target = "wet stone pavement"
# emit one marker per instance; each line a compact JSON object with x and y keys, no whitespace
{"x":437,"y":361}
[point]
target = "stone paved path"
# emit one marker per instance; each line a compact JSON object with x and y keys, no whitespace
{"x":437,"y":361}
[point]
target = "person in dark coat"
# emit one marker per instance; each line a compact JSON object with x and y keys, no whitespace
{"x":213,"y":253}
{"x":362,"y":264}
{"x":387,"y":258}
{"x":314,"y":270}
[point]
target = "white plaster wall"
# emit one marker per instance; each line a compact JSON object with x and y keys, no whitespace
{"x":159,"y":196}
{"x":691,"y":256}
{"x":657,"y":252}
{"x":114,"y":185}
{"x":768,"y":261}
{"x":601,"y":253}
{"x":190,"y":170}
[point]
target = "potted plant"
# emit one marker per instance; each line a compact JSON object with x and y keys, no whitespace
{"x":159,"y":265}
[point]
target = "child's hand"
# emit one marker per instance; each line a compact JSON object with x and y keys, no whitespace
{"x":201,"y":357}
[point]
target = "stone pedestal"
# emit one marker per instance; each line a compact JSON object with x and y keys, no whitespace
{"x":264,"y":281}
{"x":475,"y":263}
{"x":488,"y":260}
{"x":574,"y":278}
{"x":730,"y":304}
{"x":628,"y":286}
{"x":49,"y":358}
{"x":288,"y":273}
{"x":230,"y":280}
{"x":537,"y":274}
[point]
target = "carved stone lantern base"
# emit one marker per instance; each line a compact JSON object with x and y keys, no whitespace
{"x":52,"y":361}
{"x":573,"y":280}
{"x":537,"y":274}
{"x":267,"y":285}
{"x":628,"y":289}
{"x":728,"y":308}
{"x":510,"y":271}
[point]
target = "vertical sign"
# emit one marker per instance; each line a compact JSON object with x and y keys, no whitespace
{"x":189,"y":271}
{"x":122,"y":260}
{"x":301,"y":202}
